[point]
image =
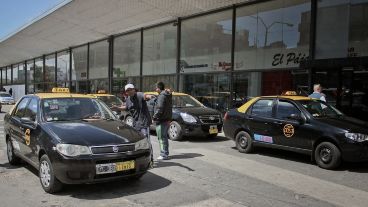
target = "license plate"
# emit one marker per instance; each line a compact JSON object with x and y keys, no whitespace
{"x":114,"y":167}
{"x":213,"y":129}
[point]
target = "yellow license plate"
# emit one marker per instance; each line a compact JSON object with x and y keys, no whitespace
{"x":122,"y":166}
{"x":213,"y":130}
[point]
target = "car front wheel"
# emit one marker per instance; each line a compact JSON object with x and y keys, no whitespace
{"x":175,"y":131}
{"x":327,"y":155}
{"x":129,"y":120}
{"x":244,"y":142}
{"x":47,"y":176}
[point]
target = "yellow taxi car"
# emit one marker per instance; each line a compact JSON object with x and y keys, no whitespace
{"x":300,"y":124}
{"x":73,"y":138}
{"x":190,"y":117}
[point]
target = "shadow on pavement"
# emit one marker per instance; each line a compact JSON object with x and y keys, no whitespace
{"x":357,"y":167}
{"x":9,"y":166}
{"x":206,"y":139}
{"x":171,"y":164}
{"x":115,"y":189}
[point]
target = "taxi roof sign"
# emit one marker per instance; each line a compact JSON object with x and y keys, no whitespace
{"x":101,"y":91}
{"x":60,"y":90}
{"x":289,"y":93}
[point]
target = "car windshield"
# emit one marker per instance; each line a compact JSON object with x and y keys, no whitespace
{"x":319,"y":108}
{"x":110,"y":100}
{"x":181,"y":101}
{"x":5,"y":95}
{"x":69,"y":109}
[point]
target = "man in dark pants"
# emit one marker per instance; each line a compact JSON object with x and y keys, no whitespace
{"x":162,"y":116}
{"x":137,"y":107}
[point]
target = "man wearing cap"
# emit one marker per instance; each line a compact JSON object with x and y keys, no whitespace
{"x":137,"y":107}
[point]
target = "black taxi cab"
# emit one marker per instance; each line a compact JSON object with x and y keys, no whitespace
{"x":190,"y":117}
{"x":72,"y":139}
{"x":298,"y":124}
{"x":112,"y":100}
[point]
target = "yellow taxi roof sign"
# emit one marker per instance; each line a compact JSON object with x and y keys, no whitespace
{"x":101,"y":91}
{"x":60,"y":90}
{"x":289,"y":93}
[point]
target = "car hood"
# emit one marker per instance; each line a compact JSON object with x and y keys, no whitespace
{"x":346,"y":123}
{"x":94,"y":133}
{"x":197,"y":111}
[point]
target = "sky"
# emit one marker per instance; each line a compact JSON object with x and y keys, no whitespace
{"x":16,"y":13}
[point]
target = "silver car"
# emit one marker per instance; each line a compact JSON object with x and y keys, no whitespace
{"x":6,"y":98}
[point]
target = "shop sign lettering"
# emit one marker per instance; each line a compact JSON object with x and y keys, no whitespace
{"x":288,"y":59}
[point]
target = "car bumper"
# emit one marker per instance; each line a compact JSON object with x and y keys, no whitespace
{"x":83,"y":170}
{"x":200,"y":130}
{"x":7,"y":102}
{"x":355,"y":152}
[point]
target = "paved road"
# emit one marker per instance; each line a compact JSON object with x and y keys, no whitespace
{"x":201,"y":172}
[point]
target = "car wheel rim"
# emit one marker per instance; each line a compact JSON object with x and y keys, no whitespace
{"x":45,"y":174}
{"x":173,"y":131}
{"x":326,"y":155}
{"x":129,"y":121}
{"x":10,"y":151}
{"x":243,"y":141}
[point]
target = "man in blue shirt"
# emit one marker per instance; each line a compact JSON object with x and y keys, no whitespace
{"x":317,"y":93}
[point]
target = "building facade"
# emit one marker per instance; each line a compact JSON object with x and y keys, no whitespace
{"x":223,"y":56}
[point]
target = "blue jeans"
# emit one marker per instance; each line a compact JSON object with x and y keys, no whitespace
{"x":163,"y":139}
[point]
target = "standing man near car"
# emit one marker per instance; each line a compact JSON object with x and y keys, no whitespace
{"x":317,"y":89}
{"x":162,"y":116}
{"x":136,"y":105}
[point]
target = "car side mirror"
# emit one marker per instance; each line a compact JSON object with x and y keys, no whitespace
{"x":28,"y":121}
{"x":297,"y":117}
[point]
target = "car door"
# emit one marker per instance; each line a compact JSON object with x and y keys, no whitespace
{"x":289,"y":127}
{"x":16,"y":128}
{"x":259,"y":118}
{"x":32,"y":130}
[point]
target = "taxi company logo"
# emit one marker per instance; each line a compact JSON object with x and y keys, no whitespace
{"x":288,"y":130}
{"x":115,"y":148}
{"x":27,"y":136}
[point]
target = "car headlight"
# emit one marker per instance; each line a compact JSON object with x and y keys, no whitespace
{"x":73,"y":150}
{"x":357,"y":137}
{"x":142,"y":144}
{"x":188,"y":118}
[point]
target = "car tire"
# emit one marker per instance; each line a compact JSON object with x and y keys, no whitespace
{"x":129,"y":120}
{"x":49,"y":182}
{"x":327,"y":155}
{"x":212,"y":135}
{"x":12,"y":158}
{"x":175,"y":131}
{"x":244,"y":142}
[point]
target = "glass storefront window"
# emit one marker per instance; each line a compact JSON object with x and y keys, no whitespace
{"x":21,"y":74}
{"x":8,"y":75}
{"x":38,"y":75}
{"x":159,"y":50}
{"x":3,"y":76}
{"x":50,"y":69}
{"x":206,"y":43}
{"x":30,"y":76}
{"x":79,"y":63}
{"x":342,"y":29}
{"x":273,"y":34}
{"x":15,"y":73}
{"x":150,"y":81}
{"x":99,"y":60}
{"x":62,"y":71}
{"x":213,"y":90}
{"x":127,"y":49}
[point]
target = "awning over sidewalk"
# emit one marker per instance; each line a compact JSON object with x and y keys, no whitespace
{"x":82,"y":21}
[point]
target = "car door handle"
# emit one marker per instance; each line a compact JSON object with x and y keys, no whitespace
{"x":278,"y":122}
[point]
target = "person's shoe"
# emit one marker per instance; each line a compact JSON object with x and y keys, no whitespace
{"x":162,"y":158}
